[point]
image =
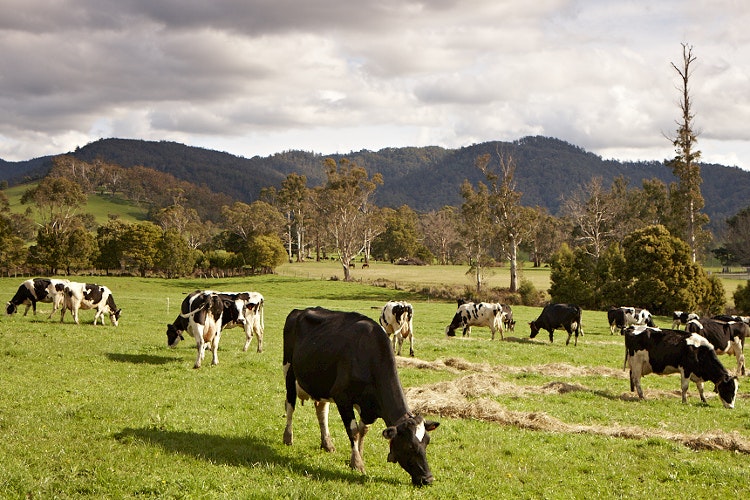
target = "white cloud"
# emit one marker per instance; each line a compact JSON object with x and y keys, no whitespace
{"x":257,"y":77}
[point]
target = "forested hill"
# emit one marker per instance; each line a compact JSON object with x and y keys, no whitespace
{"x":424,"y":178}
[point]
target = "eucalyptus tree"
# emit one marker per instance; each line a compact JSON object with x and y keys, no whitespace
{"x":344,"y":202}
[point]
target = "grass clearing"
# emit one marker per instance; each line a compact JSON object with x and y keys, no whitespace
{"x":112,"y":412}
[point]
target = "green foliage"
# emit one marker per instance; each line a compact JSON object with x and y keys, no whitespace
{"x":140,"y":245}
{"x":571,"y":276}
{"x":742,"y":298}
{"x":400,"y":238}
{"x":175,"y":257}
{"x":265,"y":252}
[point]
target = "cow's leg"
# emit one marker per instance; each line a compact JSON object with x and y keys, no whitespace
{"x":737,"y":347}
{"x":684,"y":383}
{"x":635,"y":376}
{"x":394,"y":343}
{"x":291,"y":400}
{"x":569,"y":329}
{"x":467,"y":331}
{"x":26,"y":311}
{"x":346,"y":410}
{"x":248,"y":335}
{"x":411,"y":345}
{"x":199,"y":345}
{"x":551,"y":332}
{"x":215,"y":348}
{"x":321,"y":410}
{"x":258,"y":329}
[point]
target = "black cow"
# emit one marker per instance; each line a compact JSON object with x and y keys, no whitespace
{"x":653,"y":350}
{"x":727,"y":337}
{"x":620,"y":317}
{"x":682,"y":318}
{"x":347,"y":358}
{"x":556,"y":316}
{"x":37,"y":290}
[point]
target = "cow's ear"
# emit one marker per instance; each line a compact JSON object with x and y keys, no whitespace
{"x":429,"y":425}
{"x":390,"y":432}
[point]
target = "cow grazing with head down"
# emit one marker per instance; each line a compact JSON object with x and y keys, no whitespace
{"x":37,"y":290}
{"x":621,"y":317}
{"x":347,"y":358}
{"x":90,"y":296}
{"x":653,"y":350}
{"x":243,"y":309}
{"x":471,"y":314}
{"x":727,"y":337}
{"x":556,"y":316}
{"x":681,"y":318}
{"x":396,"y":320}
{"x":204,"y":322}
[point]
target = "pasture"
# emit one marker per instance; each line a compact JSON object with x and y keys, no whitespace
{"x":112,"y":412}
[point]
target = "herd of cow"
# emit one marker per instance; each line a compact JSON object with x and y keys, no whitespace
{"x":344,"y":357}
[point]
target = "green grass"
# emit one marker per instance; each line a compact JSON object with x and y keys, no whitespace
{"x":110,"y":412}
{"x":100,"y":206}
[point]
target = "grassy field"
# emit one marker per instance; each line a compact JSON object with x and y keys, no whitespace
{"x":109,"y":412}
{"x":98,"y":205}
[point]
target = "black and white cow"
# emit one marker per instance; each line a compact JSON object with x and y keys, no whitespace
{"x":508,"y":322}
{"x":90,"y":296}
{"x":204,"y":321}
{"x":556,"y":316}
{"x":470,"y":314}
{"x":727,"y":337}
{"x":396,"y":319}
{"x":243,"y":309}
{"x":37,"y":290}
{"x":681,"y":318}
{"x":347,"y":358}
{"x":620,"y":317}
{"x":653,"y":350}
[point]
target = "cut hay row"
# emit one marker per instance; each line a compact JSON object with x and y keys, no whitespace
{"x":457,"y":365}
{"x":468,"y":398}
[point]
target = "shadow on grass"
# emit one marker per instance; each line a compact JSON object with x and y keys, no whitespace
{"x":138,"y":359}
{"x":238,"y":452}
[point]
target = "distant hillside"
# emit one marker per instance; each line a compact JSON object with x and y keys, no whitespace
{"x":424,"y":178}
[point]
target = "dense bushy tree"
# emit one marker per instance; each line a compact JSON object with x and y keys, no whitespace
{"x":401,"y":237}
{"x":140,"y":246}
{"x":264,"y":253}
{"x":663,"y":277}
{"x":741,"y":298}
{"x":174,"y":255}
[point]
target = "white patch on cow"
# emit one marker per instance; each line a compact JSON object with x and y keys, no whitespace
{"x":696,"y":340}
{"x":354,"y":426}
{"x":639,"y":329}
{"x":696,"y":323}
{"x":420,"y":432}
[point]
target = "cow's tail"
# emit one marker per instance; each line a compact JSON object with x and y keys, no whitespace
{"x":579,"y":326}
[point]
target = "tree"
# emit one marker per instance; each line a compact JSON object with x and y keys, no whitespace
{"x":736,"y":248}
{"x":686,"y":199}
{"x":140,"y":246}
{"x":662,"y":275}
{"x":175,"y":257}
{"x":513,"y":221}
{"x":440,"y":230}
{"x":111,"y":244}
{"x":548,"y":233}
{"x":343,"y":202}
{"x":265,"y":252}
{"x":400,"y":239}
{"x":476,"y":229}
{"x":293,"y":198}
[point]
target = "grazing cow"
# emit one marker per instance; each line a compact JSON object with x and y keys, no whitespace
{"x":508,"y":322}
{"x":653,"y":350}
{"x":471,"y":314}
{"x":37,"y":290}
{"x":682,"y":318}
{"x":730,"y":317}
{"x":347,"y":358}
{"x":241,"y":309}
{"x":727,"y":337}
{"x":90,"y":296}
{"x":621,"y":317}
{"x":204,"y":322}
{"x":396,"y":320}
{"x":556,"y":316}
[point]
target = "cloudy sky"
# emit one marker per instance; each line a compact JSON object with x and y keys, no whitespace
{"x":255,"y":77}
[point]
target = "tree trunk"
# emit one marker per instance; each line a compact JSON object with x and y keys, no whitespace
{"x":513,"y":266}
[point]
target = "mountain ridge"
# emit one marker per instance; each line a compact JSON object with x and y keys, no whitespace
{"x":425,"y":178}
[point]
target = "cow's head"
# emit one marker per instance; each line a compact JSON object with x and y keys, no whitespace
{"x":726,"y":388}
{"x":114,"y":316}
{"x":10,"y":308}
{"x":534,"y":329}
{"x":173,"y":335}
{"x":408,"y":442}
